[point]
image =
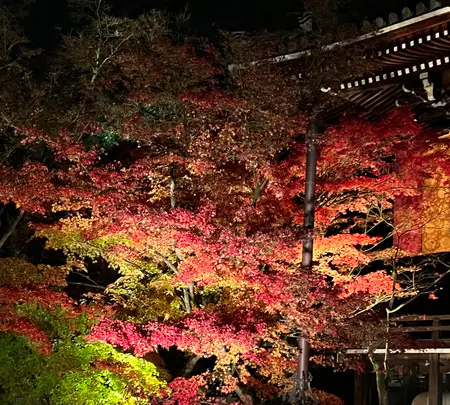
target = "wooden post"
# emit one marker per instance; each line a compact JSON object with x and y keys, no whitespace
{"x":434,"y":377}
{"x":361,"y":388}
{"x":301,"y":383}
{"x":435,"y":334}
{"x":434,"y":381}
{"x":310,"y":194}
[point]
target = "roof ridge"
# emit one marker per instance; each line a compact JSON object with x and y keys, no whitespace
{"x":405,"y":14}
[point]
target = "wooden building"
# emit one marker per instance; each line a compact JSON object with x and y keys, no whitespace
{"x":422,"y":373}
{"x":411,"y":65}
{"x":410,"y":59}
{"x":410,"y":56}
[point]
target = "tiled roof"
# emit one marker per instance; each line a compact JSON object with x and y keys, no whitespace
{"x":412,"y":51}
{"x":405,"y":14}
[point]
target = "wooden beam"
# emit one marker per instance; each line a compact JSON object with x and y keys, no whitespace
{"x":418,"y":318}
{"x":412,"y":329}
{"x":424,"y":341}
{"x":438,"y":350}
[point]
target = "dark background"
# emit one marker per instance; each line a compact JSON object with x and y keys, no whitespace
{"x":235,"y":15}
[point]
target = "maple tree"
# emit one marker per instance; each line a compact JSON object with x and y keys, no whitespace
{"x":191,"y":190}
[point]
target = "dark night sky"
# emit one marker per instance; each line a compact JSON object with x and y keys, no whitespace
{"x":227,"y":14}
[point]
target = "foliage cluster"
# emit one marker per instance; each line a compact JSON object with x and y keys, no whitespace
{"x":58,"y":365}
{"x":145,"y":156}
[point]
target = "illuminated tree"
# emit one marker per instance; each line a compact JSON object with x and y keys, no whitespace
{"x":190,"y":186}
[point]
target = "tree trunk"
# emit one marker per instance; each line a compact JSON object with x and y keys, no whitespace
{"x":380,"y":375}
{"x":190,"y":365}
{"x":382,"y":388}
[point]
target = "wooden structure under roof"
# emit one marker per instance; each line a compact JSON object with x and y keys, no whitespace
{"x":412,"y":65}
{"x":425,"y":369}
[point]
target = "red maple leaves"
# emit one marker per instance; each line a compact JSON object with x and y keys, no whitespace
{"x":201,"y":214}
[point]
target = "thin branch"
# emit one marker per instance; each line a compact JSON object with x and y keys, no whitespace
{"x":11,"y":229}
{"x":425,"y":291}
{"x":99,"y":287}
{"x":167,"y":262}
{"x":86,"y":277}
{"x":115,"y":50}
{"x":173,"y":176}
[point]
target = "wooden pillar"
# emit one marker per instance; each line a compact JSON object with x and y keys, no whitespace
{"x":434,"y":377}
{"x":301,"y":385}
{"x":361,"y":395}
{"x":310,"y":194}
{"x":434,"y":381}
{"x":435,"y":334}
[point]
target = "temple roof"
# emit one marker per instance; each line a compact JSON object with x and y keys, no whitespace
{"x":411,"y":64}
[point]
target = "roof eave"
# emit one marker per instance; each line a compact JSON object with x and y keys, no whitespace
{"x":403,"y":27}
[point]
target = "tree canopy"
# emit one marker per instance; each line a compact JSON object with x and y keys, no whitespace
{"x":142,"y":157}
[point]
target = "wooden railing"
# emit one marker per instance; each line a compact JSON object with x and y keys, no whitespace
{"x":434,"y":325}
{"x":435,"y":328}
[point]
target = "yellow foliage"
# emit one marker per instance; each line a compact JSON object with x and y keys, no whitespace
{"x":147,"y":301}
{"x":18,"y":273}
